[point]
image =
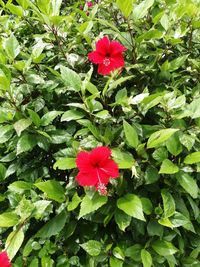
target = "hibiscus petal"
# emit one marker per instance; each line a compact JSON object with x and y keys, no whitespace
{"x":87,"y":178}
{"x":110,"y":168}
{"x":116,"y":48}
{"x":83,"y":161}
{"x":117,"y":61}
{"x":103,"y":176}
{"x":95,"y":57}
{"x":103,"y":46}
{"x":99,"y":154}
{"x":104,"y":70}
{"x":4,"y":260}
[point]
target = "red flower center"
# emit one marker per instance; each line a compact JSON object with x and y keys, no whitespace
{"x":95,"y":165}
{"x":106,"y":61}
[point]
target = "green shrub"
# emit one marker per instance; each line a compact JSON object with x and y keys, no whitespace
{"x":54,"y":103}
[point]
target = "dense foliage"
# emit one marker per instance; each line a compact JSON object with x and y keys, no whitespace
{"x":54,"y":103}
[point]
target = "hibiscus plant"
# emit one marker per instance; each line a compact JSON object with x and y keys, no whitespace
{"x":99,"y":133}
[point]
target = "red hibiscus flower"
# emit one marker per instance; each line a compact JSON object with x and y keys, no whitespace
{"x":108,"y":55}
{"x":4,"y":260}
{"x":89,"y":4}
{"x":96,"y":168}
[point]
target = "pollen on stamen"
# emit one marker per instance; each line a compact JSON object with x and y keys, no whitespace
{"x":102,"y":189}
{"x":106,"y":62}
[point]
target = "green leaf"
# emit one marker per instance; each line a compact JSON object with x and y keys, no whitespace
{"x":65,"y":164}
{"x":168,"y":203}
{"x":89,"y":205}
{"x":141,"y":10}
{"x":40,"y":207}
{"x":114,"y":262}
{"x":130,"y":134}
{"x":21,"y":125}
{"x":74,"y":203}
{"x":187,"y":140}
{"x":177,"y":62}
{"x":6,"y":133}
{"x":56,"y":4}
{"x":126,"y":7}
{"x":26,"y":143}
{"x":194,"y":108}
{"x":34,"y":117}
{"x":49,"y":117}
{"x":12,"y":47}
{"x":8,"y":219}
{"x":173,"y":145}
{"x":71,"y":115}
{"x":164,"y":21}
{"x":20,"y":186}
{"x":2,"y":172}
{"x":71,"y":78}
{"x":23,"y":3}
{"x":154,"y":228}
{"x":150,"y":101}
{"x":151,"y":175}
{"x":146,"y":258}
{"x":188,"y":183}
{"x":151,"y":34}
{"x":122,"y":219}
{"x":52,"y":189}
{"x":179,"y":220}
{"x":16,"y":10}
{"x":168,"y":167}
{"x":92,"y":247}
{"x":134,"y":252}
{"x":192,"y":158}
{"x":164,"y":248}
{"x":131,"y":205}
{"x":147,"y":205}
{"x":14,"y":242}
{"x":165,"y":222}
{"x":159,"y":137}
{"x":53,"y":226}
{"x":124,"y":159}
{"x":4,"y":80}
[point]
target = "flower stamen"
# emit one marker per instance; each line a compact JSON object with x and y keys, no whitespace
{"x":106,"y":62}
{"x":101,"y":188}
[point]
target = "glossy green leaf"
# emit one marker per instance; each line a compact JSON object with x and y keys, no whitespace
{"x":131,"y":205}
{"x":21,"y":125}
{"x":164,"y":248}
{"x":8,"y":219}
{"x":72,"y":115}
{"x":26,"y":143}
{"x":192,"y":158}
{"x":122,"y":219}
{"x":92,"y":247}
{"x":146,"y":258}
{"x":168,"y":203}
{"x":65,"y":164}
{"x":188,"y":183}
{"x":14,"y":242}
{"x":125,"y":6}
{"x":89,"y":205}
{"x":52,"y":189}
{"x":158,"y":138}
{"x":168,"y":167}
{"x":53,"y":226}
{"x":71,"y":78}
{"x":130,"y":134}
{"x":12,"y":47}
{"x":49,"y":117}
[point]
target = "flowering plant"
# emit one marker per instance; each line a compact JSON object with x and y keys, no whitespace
{"x":99,"y":133}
